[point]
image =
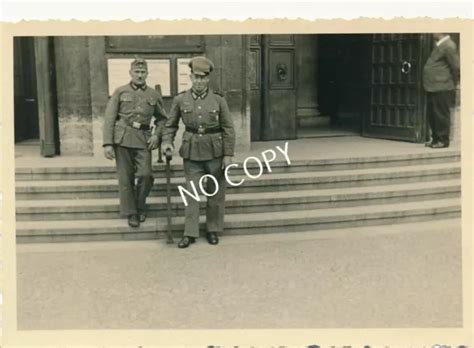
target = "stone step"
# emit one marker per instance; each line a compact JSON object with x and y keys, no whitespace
{"x":73,"y":172}
{"x":271,"y":182}
{"x":254,"y":223}
{"x":240,"y":203}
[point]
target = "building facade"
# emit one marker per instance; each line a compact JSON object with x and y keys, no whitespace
{"x":277,"y":86}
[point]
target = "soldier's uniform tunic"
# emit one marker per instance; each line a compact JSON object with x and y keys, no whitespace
{"x":208,"y":137}
{"x":129,"y":111}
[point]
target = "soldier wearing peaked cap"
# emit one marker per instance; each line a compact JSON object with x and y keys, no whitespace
{"x":129,"y":139}
{"x":207,"y":147}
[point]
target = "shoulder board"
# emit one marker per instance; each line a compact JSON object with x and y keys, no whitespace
{"x":182,"y":92}
{"x":120,"y":89}
{"x":219,"y":93}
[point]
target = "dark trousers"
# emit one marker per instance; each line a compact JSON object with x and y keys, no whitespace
{"x":130,"y":163}
{"x":438,"y":111}
{"x":193,"y":171}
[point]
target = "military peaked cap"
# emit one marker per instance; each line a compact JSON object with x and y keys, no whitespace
{"x":201,"y":65}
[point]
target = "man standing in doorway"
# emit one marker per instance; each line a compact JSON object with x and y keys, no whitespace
{"x":207,"y":147}
{"x":129,"y":139}
{"x":440,"y":80}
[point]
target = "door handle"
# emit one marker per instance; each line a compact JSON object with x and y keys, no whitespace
{"x":406,"y":67}
{"x":30,"y":100}
{"x":282,"y":71}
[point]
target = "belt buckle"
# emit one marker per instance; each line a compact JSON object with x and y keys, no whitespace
{"x":136,"y":125}
{"x":201,"y":130}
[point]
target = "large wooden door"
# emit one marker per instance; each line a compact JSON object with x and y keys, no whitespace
{"x":396,"y":98}
{"x":278,"y":87}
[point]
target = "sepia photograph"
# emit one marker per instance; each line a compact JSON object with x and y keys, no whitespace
{"x":254,"y":181}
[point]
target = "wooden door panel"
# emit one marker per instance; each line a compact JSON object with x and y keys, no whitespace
{"x":396,"y":95}
{"x":279,"y":87}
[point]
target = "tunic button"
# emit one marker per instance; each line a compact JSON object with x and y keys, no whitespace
{"x":199,"y":107}
{"x":199,"y":116}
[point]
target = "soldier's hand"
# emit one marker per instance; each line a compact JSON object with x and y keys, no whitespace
{"x":166,"y":147}
{"x":226,"y":161}
{"x":109,"y":152}
{"x":153,"y":142}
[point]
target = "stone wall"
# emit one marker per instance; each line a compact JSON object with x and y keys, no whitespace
{"x":98,"y":90}
{"x":74,"y":97}
{"x":229,"y":54}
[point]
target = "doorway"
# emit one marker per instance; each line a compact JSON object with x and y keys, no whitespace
{"x":36,"y":121}
{"x":333,"y":67}
{"x":344,"y":84}
{"x":25,"y":91}
{"x":308,"y":85}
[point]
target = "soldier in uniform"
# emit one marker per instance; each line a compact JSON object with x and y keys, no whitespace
{"x":129,"y":139}
{"x":207,"y":147}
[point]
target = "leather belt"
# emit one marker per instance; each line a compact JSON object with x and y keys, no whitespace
{"x":136,"y":125}
{"x":202,"y":130}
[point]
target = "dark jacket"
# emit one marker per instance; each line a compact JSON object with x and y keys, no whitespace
{"x":130,"y":104}
{"x":441,"y":71}
{"x":209,"y":112}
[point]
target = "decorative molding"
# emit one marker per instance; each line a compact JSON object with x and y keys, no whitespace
{"x":282,"y":40}
{"x":255,"y":40}
{"x":255,"y":74}
{"x":154,"y":44}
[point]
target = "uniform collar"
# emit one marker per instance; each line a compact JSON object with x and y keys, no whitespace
{"x":135,"y":87}
{"x":440,"y":41}
{"x":199,"y":96}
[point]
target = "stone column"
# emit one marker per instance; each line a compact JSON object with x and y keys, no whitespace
{"x":234,"y":82}
{"x":228,"y":52}
{"x":98,"y":89}
{"x":47,"y":109}
{"x":74,"y":95}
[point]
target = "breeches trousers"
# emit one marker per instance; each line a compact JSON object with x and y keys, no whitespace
{"x":133,"y":163}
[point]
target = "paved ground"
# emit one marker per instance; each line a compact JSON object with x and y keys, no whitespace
{"x":388,"y":276}
{"x":316,"y":148}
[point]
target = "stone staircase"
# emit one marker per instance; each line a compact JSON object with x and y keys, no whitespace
{"x":81,"y":204}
